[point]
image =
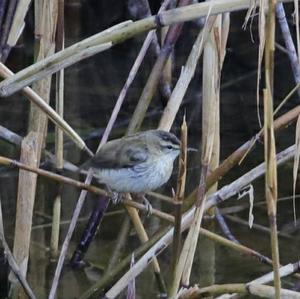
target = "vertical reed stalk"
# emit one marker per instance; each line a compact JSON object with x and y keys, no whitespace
{"x":179,"y":196}
{"x":59,"y":149}
{"x":25,"y":202}
{"x":34,"y":142}
{"x":212,"y":57}
{"x":269,"y":143}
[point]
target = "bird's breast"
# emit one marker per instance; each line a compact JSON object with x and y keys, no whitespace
{"x":139,"y":178}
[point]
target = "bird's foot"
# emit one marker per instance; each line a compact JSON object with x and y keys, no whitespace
{"x":148,"y":206}
{"x":115,"y":196}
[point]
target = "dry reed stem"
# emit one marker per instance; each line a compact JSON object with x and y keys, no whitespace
{"x":34,"y":143}
{"x":261,"y":291}
{"x":296,"y":167}
{"x":10,"y":136}
{"x":52,"y":176}
{"x":131,"y":290}
{"x":24,"y":213}
{"x":59,"y":146}
{"x":269,"y":142}
{"x":39,"y":102}
{"x":210,"y":143}
{"x":18,"y":22}
{"x":179,"y":196}
{"x":122,"y":32}
{"x":220,"y":196}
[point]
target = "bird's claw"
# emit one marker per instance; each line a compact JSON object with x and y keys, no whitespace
{"x":115,"y":197}
{"x":148,"y":206}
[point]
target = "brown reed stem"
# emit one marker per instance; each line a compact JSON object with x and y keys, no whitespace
{"x":59,"y":141}
{"x":33,"y":144}
{"x":24,"y":213}
{"x":269,"y":143}
{"x":179,"y":196}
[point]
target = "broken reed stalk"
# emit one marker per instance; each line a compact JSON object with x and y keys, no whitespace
{"x":213,"y":56}
{"x":216,"y":198}
{"x":179,"y":196}
{"x":269,"y":142}
{"x":39,"y":102}
{"x":210,"y":150}
{"x":59,"y":141}
{"x":185,"y":252}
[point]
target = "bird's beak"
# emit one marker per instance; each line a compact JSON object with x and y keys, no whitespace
{"x":190,"y":149}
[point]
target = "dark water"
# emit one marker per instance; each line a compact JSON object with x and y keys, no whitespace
{"x":91,"y":89}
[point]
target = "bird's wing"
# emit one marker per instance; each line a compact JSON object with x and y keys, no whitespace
{"x":116,"y":154}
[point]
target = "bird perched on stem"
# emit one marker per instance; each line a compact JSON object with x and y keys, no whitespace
{"x":137,"y":163}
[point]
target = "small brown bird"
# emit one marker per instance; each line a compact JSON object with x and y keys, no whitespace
{"x":137,"y":163}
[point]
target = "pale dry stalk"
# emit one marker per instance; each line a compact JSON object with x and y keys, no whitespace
{"x":35,"y":141}
{"x":269,"y":143}
{"x":59,"y":146}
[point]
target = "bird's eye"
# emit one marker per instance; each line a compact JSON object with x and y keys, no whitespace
{"x":169,"y":147}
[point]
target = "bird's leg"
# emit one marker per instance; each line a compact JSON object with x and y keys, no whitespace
{"x":146,"y":203}
{"x":114,"y":196}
